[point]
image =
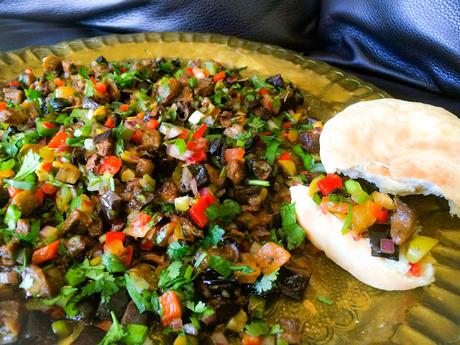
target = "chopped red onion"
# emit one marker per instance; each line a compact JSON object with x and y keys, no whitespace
{"x":194,"y":187}
{"x":176,"y":324}
{"x":387,"y":246}
{"x":234,"y":131}
{"x":190,"y":329}
{"x":173,"y":151}
{"x":209,"y":319}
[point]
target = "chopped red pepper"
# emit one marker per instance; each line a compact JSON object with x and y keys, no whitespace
{"x":2,"y":106}
{"x":263,"y":91}
{"x":286,"y":124}
{"x":285,"y":156}
{"x":100,"y":87}
{"x":219,"y":76}
{"x":146,"y":244}
{"x":48,"y":124}
{"x":235,"y":154}
{"x":137,"y":137}
{"x":114,"y":235}
{"x":142,"y":219}
{"x":197,"y":157}
{"x":127,"y":257}
{"x":189,"y":70}
{"x":124,"y":107}
{"x":415,"y":269}
{"x":184,"y":134}
{"x":170,"y":307}
{"x":12,"y":191}
{"x":110,"y":164}
{"x":59,"y":140}
{"x":197,"y":146}
{"x":200,"y":131}
{"x":330,"y":183}
{"x":49,"y":189}
{"x":198,"y":210}
{"x":380,"y":213}
{"x":40,"y":195}
{"x":110,"y":122}
{"x":14,"y":83}
{"x":152,"y":124}
{"x":251,"y":340}
{"x":59,"y":82}
{"x":47,"y":166}
{"x":123,"y":69}
{"x":45,"y":253}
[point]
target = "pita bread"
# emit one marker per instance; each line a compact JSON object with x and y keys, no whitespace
{"x":325,"y":232}
{"x":402,"y":147}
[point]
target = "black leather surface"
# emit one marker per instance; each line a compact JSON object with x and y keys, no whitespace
{"x":410,"y":48}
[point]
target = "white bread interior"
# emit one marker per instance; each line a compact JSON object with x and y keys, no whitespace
{"x":325,"y":232}
{"x":402,"y":147}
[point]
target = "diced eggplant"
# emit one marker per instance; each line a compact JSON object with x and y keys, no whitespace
{"x":377,"y":233}
{"x":37,"y":328}
{"x":309,"y":140}
{"x":59,"y":104}
{"x":132,"y":315}
{"x":104,"y":143}
{"x":89,"y":335}
{"x":275,"y":80}
{"x":261,"y":169}
{"x":14,"y":117}
{"x":51,"y":63}
{"x":23,"y":226}
{"x":193,"y":171}
{"x":204,"y":87}
{"x":101,"y":60}
{"x":292,"y":284}
{"x":9,"y":277}
{"x":88,"y":103}
{"x":402,"y":223}
{"x":12,"y":95}
{"x":236,"y":171}
{"x":102,"y":137}
{"x":35,"y":282}
{"x":118,"y":303}
{"x":76,"y":221}
{"x":144,"y":167}
{"x":111,"y":205}
{"x":151,"y":140}
{"x":77,"y":245}
{"x":10,"y":321}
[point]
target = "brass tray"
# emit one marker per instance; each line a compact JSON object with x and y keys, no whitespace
{"x":359,"y":314}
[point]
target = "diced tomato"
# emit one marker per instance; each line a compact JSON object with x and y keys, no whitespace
{"x":271,"y":256}
{"x":189,"y":70}
{"x":265,"y":133}
{"x":285,"y":156}
{"x":2,"y":106}
{"x":110,"y":122}
{"x":197,"y":146}
{"x":415,"y":269}
{"x":100,"y":87}
{"x":184,"y":134}
{"x":48,"y":124}
{"x":330,"y":183}
{"x":146,"y":244}
{"x":45,"y":253}
{"x":127,"y":257}
{"x":219,"y":76}
{"x":198,"y":210}
{"x":200,"y":132}
{"x":110,"y":164}
{"x":59,"y":82}
{"x":380,"y":213}
{"x":263,"y":91}
{"x":12,"y":191}
{"x":235,"y":154}
{"x":170,"y":307}
{"x":197,"y":157}
{"x":152,"y":124}
{"x":137,"y":137}
{"x":142,"y":219}
{"x":114,"y":235}
{"x":115,"y":247}
{"x":14,"y":83}
{"x":124,"y":107}
{"x":59,"y":140}
{"x":286,"y":124}
{"x":40,"y":195}
{"x":47,"y":166}
{"x":123,"y":69}
{"x":251,"y":340}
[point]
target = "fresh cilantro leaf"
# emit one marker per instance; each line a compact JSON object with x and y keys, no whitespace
{"x":136,"y":334}
{"x":9,"y":164}
{"x":177,"y":250}
{"x":32,"y":94}
{"x":89,"y":89}
{"x":33,"y":234}
{"x":213,"y":237}
{"x":126,"y":79}
{"x":272,"y":148}
{"x":115,"y":333}
{"x":75,"y":275}
{"x":200,"y":308}
{"x":294,"y":232}
{"x":30,"y":163}
{"x":113,"y":263}
{"x":83,"y":71}
{"x":144,"y":299}
{"x":325,"y":300}
{"x":242,"y":268}
{"x":220,"y":265}
{"x":257,"y":328}
{"x":226,"y":211}
{"x":169,"y":274}
{"x":26,"y":184}
{"x":100,"y":183}
{"x":265,"y":283}
{"x":105,"y":284}
{"x":276,"y":329}
{"x":12,"y":216}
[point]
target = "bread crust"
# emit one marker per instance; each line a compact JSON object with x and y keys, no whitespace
{"x":402,"y":147}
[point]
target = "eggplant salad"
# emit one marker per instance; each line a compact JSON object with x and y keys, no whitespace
{"x":147,"y":202}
